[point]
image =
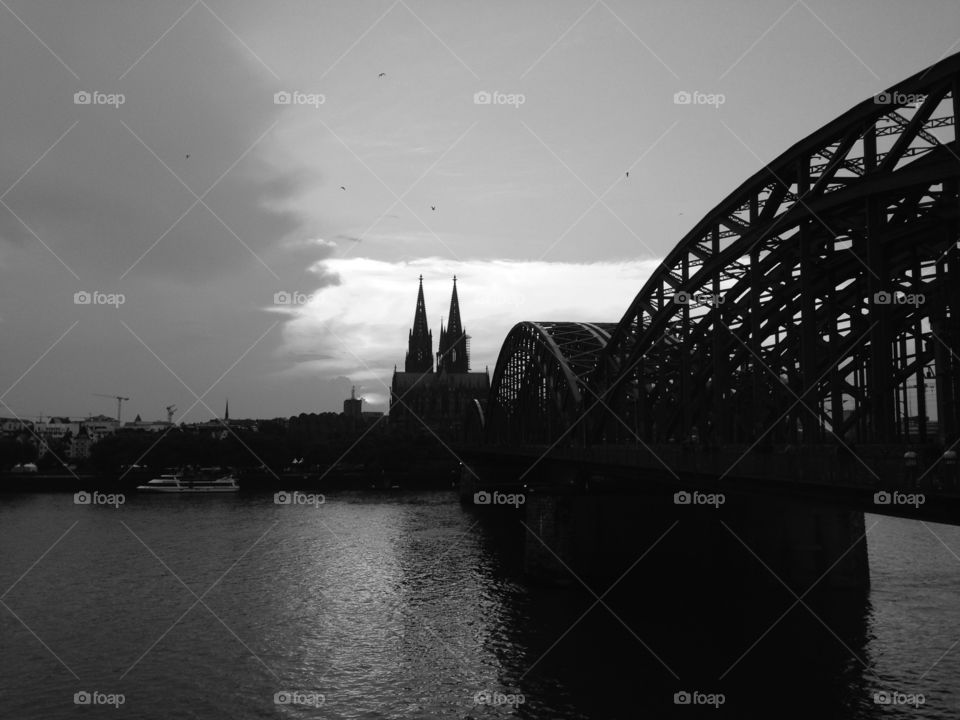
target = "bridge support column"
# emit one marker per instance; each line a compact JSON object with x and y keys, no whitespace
{"x":802,"y":545}
{"x":749,"y":542}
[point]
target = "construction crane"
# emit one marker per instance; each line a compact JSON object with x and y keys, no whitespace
{"x":171,"y":409}
{"x":118,"y":398}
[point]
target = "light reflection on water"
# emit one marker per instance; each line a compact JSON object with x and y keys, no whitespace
{"x":406,"y":606}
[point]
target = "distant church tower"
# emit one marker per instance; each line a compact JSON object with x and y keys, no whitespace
{"x":453,"y":355}
{"x":420,"y":343}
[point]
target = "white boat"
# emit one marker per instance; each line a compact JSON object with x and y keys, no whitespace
{"x":191,"y":483}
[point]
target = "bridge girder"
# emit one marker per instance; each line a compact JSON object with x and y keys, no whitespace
{"x":767,"y":317}
{"x":539,"y":387}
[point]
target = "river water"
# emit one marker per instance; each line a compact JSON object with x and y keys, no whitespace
{"x":407,"y":605}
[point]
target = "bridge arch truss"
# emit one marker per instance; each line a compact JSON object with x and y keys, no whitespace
{"x":821,"y":298}
{"x":540,"y":385}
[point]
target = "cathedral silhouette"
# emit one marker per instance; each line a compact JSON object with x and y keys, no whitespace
{"x":423,"y":400}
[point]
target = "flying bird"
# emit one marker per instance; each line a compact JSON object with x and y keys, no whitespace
{"x":433,"y":207}
{"x":381,"y":74}
{"x":188,"y":157}
{"x":342,"y":187}
{"x":628,"y":173}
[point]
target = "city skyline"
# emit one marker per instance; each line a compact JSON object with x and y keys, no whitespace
{"x":497,"y":152}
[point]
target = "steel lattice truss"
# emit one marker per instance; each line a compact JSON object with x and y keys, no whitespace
{"x":539,"y":384}
{"x":822,"y":296}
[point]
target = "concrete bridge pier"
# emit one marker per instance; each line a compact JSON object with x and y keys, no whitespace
{"x":748,"y":542}
{"x":805,"y":545}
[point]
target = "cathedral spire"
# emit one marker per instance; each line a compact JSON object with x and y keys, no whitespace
{"x":453,"y":353}
{"x":420,"y":343}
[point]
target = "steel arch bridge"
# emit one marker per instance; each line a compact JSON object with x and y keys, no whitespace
{"x":821,"y":298}
{"x":540,"y":385}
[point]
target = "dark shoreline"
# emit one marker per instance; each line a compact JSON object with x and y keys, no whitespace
{"x":436,"y":476}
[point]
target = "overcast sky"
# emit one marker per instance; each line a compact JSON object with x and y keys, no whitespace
{"x":186,"y":187}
